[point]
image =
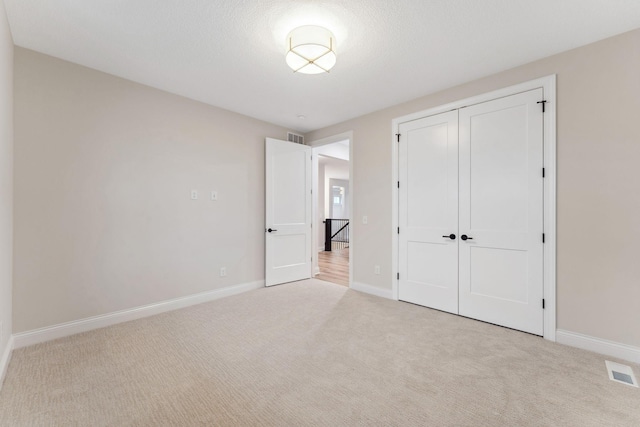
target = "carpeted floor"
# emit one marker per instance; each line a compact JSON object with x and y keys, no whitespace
{"x":311,"y":353}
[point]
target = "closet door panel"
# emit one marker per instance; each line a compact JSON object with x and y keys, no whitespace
{"x":428,"y":210}
{"x":501,"y":212}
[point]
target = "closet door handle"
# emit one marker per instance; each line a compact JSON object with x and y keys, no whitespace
{"x":465,"y":237}
{"x":450,"y":236}
{"x":271,"y":230}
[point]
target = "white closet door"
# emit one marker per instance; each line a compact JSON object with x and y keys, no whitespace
{"x":428,"y":212}
{"x":501,"y":212}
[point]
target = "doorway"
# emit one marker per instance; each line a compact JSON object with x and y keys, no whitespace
{"x":332,"y":209}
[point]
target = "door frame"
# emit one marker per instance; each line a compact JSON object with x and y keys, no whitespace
{"x":548,"y":85}
{"x":314,"y":200}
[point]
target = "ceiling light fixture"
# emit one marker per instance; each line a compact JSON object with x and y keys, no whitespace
{"x":311,"y":50}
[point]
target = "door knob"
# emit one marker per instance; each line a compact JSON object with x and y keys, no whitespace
{"x":465,"y":237}
{"x":271,"y":229}
{"x":450,"y":236}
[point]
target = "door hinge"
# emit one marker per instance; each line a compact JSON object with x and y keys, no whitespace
{"x":543,"y":303}
{"x":543,"y":102}
{"x":398,"y":276}
{"x":543,"y":237}
{"x":543,"y":172}
{"x":398,"y":135}
{"x":398,"y":184}
{"x":398,"y":230}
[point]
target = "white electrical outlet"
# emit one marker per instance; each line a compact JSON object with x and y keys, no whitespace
{"x":223,"y":271}
{"x":365,"y":219}
{"x":194,"y":194}
{"x":214,"y":195}
{"x":376,"y":269}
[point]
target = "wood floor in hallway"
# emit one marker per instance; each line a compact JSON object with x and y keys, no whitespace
{"x":334,"y":266}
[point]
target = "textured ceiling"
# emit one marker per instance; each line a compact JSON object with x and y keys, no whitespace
{"x":231,"y":53}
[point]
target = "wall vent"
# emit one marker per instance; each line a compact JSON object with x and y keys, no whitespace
{"x":294,"y":137}
{"x":621,"y":373}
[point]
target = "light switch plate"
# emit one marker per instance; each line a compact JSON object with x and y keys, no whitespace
{"x":214,"y":195}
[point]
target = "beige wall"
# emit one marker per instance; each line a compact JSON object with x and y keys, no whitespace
{"x":6,"y":176}
{"x":598,"y":138}
{"x":103,"y":173}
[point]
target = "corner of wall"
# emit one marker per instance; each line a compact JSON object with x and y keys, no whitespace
{"x":6,"y":191}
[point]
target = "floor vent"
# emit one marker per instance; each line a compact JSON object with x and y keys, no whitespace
{"x":621,"y":373}
{"x":294,"y":137}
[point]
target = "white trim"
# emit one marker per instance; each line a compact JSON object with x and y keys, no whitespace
{"x":333,"y":138}
{"x":49,"y":333}
{"x":6,"y":358}
{"x":550,"y":210}
{"x":314,"y":239}
{"x":372,"y":290}
{"x":395,"y":201}
{"x":548,"y":85}
{"x":599,"y":345}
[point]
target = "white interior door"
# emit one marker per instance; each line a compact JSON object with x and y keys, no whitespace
{"x":428,"y":212}
{"x":288,"y":212}
{"x":501,"y":212}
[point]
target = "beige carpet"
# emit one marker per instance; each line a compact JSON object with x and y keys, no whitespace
{"x":311,"y":353}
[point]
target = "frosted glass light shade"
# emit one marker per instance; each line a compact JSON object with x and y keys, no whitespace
{"x":311,"y":50}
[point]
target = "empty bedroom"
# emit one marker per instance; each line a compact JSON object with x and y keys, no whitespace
{"x":319,"y":213}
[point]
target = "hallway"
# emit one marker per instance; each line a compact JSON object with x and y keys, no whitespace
{"x":334,"y":266}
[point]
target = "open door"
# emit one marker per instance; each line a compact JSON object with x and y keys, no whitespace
{"x":288,"y":212}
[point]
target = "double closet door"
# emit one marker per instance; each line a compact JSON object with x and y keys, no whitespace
{"x":471,"y":212}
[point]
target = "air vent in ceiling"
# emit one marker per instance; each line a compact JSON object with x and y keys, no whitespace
{"x":294,"y":137}
{"x":621,"y":373}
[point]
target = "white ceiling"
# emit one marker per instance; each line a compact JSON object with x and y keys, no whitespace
{"x":231,"y":53}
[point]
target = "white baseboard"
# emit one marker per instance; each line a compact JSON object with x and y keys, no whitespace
{"x":373,"y":290}
{"x":598,"y":345}
{"x":6,"y":358}
{"x":49,"y":333}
